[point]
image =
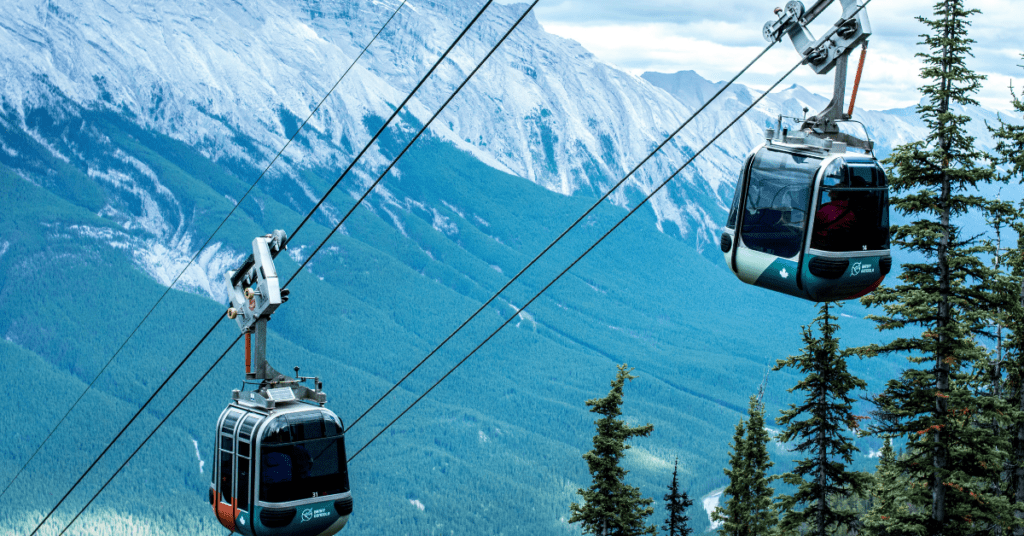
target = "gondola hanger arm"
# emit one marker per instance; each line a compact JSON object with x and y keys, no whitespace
{"x":821,"y":54}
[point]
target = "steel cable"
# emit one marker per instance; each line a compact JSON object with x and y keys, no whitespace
{"x":408,"y":145}
{"x":386,"y":171}
{"x":630,"y":213}
{"x":559,"y":238}
{"x":489,"y":337}
{"x":220,"y":317}
{"x":200,"y":250}
{"x":578,"y":259}
{"x":148,"y":437}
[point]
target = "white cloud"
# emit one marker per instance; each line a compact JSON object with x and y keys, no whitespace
{"x":717,"y":39}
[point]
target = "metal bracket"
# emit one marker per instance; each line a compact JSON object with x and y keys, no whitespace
{"x":249,"y":305}
{"x":830,"y":51}
{"x":821,"y":54}
{"x":255,"y":294}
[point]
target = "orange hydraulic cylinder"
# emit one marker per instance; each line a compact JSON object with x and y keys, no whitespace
{"x":856,"y":81}
{"x":248,"y":352}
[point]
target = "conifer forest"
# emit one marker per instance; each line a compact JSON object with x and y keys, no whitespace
{"x":953,"y":420}
{"x":535,"y":293}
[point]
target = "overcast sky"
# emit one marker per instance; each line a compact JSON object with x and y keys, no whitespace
{"x":717,"y":38}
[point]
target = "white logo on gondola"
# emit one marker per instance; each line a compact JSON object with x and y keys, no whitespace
{"x":310,"y":514}
{"x":784,"y":273}
{"x":856,"y":269}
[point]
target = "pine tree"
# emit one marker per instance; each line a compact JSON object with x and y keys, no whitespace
{"x":818,"y":426}
{"x":676,"y":504}
{"x":1010,"y":156}
{"x":895,"y":509}
{"x":936,"y":406}
{"x":610,"y":506}
{"x":748,"y":511}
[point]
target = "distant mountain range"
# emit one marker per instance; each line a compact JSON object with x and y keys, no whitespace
{"x":129,"y":130}
{"x":234,"y":79}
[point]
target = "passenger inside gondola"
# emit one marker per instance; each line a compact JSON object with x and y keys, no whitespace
{"x":835,"y":223}
{"x":852,"y":213}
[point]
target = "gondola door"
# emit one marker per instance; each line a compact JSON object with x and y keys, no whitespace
{"x":233,"y":470}
{"x":223,"y":496}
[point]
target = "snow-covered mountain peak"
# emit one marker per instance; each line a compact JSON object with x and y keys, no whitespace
{"x":234,"y":78}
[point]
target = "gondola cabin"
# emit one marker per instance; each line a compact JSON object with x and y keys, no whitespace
{"x":810,"y":219}
{"x":280,"y":471}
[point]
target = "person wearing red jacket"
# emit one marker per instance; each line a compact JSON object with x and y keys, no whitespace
{"x":835,"y":223}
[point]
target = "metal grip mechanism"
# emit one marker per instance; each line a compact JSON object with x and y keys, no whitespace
{"x":247,"y":304}
{"x":821,"y":54}
{"x":255,"y":294}
{"x":831,"y":50}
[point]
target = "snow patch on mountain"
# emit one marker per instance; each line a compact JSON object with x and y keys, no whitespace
{"x":199,"y":457}
{"x":205,"y":274}
{"x":235,"y":78}
{"x":443,"y":224}
{"x":35,"y":135}
{"x":710,"y":503}
{"x":151,"y":220}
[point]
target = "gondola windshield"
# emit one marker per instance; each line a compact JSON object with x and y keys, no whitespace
{"x":778,"y":198}
{"x":852,"y":213}
{"x":301,"y":457}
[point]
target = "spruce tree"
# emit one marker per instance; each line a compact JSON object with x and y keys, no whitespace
{"x":748,"y":509}
{"x":934,"y":404}
{"x":821,"y":425}
{"x":610,"y":506}
{"x":676,"y":504}
{"x":734,"y":515}
{"x":1009,"y":155}
{"x":895,"y":499}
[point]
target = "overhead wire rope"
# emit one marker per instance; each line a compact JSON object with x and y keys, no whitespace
{"x":452,"y":370}
{"x":578,"y":259}
{"x":594,"y":206}
{"x":200,"y":250}
{"x":388,"y":122}
{"x":125,"y":427}
{"x":564,"y":233}
{"x":408,"y":145}
{"x":144,"y":441}
{"x":386,"y":171}
{"x":220,"y":318}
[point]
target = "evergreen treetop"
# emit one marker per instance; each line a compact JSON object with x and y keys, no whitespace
{"x":1009,"y":139}
{"x":610,"y":506}
{"x":748,"y":509}
{"x":821,"y":426}
{"x":676,"y":503}
{"x":938,"y":406}
{"x":894,"y":498}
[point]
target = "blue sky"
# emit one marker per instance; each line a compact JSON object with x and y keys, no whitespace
{"x":717,"y":38}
